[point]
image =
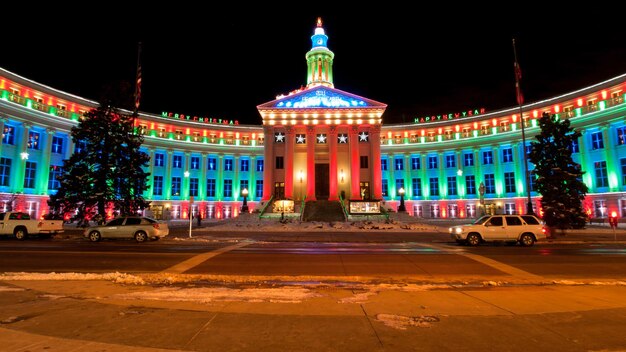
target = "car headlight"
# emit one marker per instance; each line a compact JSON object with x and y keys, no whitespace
{"x":458,"y":230}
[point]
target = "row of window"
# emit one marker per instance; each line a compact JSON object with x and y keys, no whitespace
{"x":212,"y":164}
{"x":8,"y":137}
{"x":471,"y":188}
{"x":210,"y":187}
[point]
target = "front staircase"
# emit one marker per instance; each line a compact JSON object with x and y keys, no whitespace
{"x":323,"y":210}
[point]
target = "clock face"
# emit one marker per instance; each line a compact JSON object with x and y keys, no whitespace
{"x":320,"y":41}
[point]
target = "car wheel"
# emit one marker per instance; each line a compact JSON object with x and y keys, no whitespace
{"x":526,"y":240}
{"x":473,"y":239}
{"x":94,"y":236}
{"x":141,"y":236}
{"x":21,"y":234}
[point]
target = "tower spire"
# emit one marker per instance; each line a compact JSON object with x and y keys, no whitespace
{"x":319,"y":59}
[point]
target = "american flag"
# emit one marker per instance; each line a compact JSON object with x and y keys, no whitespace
{"x":518,"y":89}
{"x":138,"y":82}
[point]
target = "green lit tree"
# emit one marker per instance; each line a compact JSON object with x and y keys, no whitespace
{"x":106,"y":169}
{"x":559,"y":177}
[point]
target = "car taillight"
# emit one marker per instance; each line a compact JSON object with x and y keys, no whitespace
{"x":156,"y":226}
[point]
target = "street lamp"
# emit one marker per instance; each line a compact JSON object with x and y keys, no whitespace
{"x":244,"y":207}
{"x":401,"y":193}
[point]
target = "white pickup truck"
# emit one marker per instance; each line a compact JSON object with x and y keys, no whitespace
{"x":21,"y":225}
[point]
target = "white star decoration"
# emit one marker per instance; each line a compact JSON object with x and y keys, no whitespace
{"x":280,"y":138}
{"x":343,"y":138}
{"x":321,"y":138}
{"x":300,"y":139}
{"x":363,"y":136}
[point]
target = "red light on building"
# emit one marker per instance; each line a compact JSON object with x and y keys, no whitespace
{"x":494,"y":122}
{"x":557,"y":109}
{"x":406,"y":134}
{"x":457,"y":128}
{"x":535,"y":113}
{"x":604,"y":94}
{"x":423,"y":133}
{"x":613,"y":214}
{"x":475,"y":125}
{"x":389,"y":135}
{"x":579,"y":102}
{"x":514,"y":118}
{"x":439,"y":131}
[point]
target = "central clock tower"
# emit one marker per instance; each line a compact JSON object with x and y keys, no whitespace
{"x":319,"y":59}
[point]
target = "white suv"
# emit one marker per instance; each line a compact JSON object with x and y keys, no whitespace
{"x":525,"y":229}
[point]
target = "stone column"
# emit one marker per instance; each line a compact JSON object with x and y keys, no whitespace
{"x":289,"y":150}
{"x":332,"y":145}
{"x":377,"y":177}
{"x":310,"y":163}
{"x":268,"y":162}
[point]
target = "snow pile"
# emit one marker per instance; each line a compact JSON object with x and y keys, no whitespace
{"x":223,"y":294}
{"x":120,"y":278}
{"x":401,"y":322}
{"x":10,"y":289}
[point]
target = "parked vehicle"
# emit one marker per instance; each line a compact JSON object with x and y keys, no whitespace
{"x":21,"y":225}
{"x":523,"y":229}
{"x":139,"y":228}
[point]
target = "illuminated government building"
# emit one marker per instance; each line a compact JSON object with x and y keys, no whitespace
{"x":320,"y":142}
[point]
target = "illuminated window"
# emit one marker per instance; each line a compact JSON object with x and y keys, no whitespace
{"x":504,"y":126}
{"x":193,"y":186}
{"x":33,"y":140}
{"x":212,"y":164}
{"x":399,"y":183}
{"x":466,"y":132}
{"x":490,"y":184}
{"x":55,"y":171}
{"x":228,"y":164}
{"x":385,"y":188}
{"x":5,"y":171}
{"x":161,"y":132}
{"x":177,"y":161}
{"x":597,"y":141}
{"x":622,"y":163}
{"x":434,"y":186}
{"x":468,"y":159}
{"x":195,"y":162}
{"x":61,"y":107}
{"x":452,"y":186}
{"x":621,"y":135}
{"x":602,"y":180}
{"x":509,"y":182}
{"x":383,"y":164}
{"x":245,"y":165}
{"x":179,"y":134}
{"x":57,"y":145}
{"x":159,"y":159}
{"x":488,"y":157}
{"x":259,"y":165}
{"x":399,"y":162}
{"x":259,"y":188}
{"x":158,"y":186}
{"x":484,"y":129}
{"x":453,"y":210}
{"x":176,"y":182}
{"x":434,"y":211}
{"x":507,"y":155}
{"x":415,"y":163}
{"x":433,"y":162}
{"x":8,"y":136}
{"x":574,"y":147}
{"x":600,"y":208}
{"x":29,"y":175}
{"x":470,"y":184}
{"x":450,"y":160}
{"x":228,"y":188}
{"x":210,"y":187}
{"x":417,"y":187}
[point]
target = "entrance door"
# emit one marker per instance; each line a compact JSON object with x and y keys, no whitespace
{"x":279,"y":190}
{"x":322,"y":181}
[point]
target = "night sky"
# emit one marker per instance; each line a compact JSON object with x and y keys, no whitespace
{"x":224,"y":64}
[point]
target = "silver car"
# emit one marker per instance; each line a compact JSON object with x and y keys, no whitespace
{"x":522,"y":229}
{"x":137,"y":227}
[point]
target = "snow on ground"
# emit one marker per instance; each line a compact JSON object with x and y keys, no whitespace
{"x":401,"y":322}
{"x":10,"y":289}
{"x":223,"y":294}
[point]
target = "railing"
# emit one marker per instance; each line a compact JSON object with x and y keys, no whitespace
{"x":265,"y":206}
{"x":343,"y":207}
{"x":302,"y":206}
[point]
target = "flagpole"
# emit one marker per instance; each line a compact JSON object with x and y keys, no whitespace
{"x":529,"y":204}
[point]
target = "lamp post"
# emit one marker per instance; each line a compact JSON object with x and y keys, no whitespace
{"x":401,"y":193}
{"x":190,"y":202}
{"x":244,"y":206}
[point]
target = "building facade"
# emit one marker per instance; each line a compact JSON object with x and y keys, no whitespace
{"x":319,"y":142}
